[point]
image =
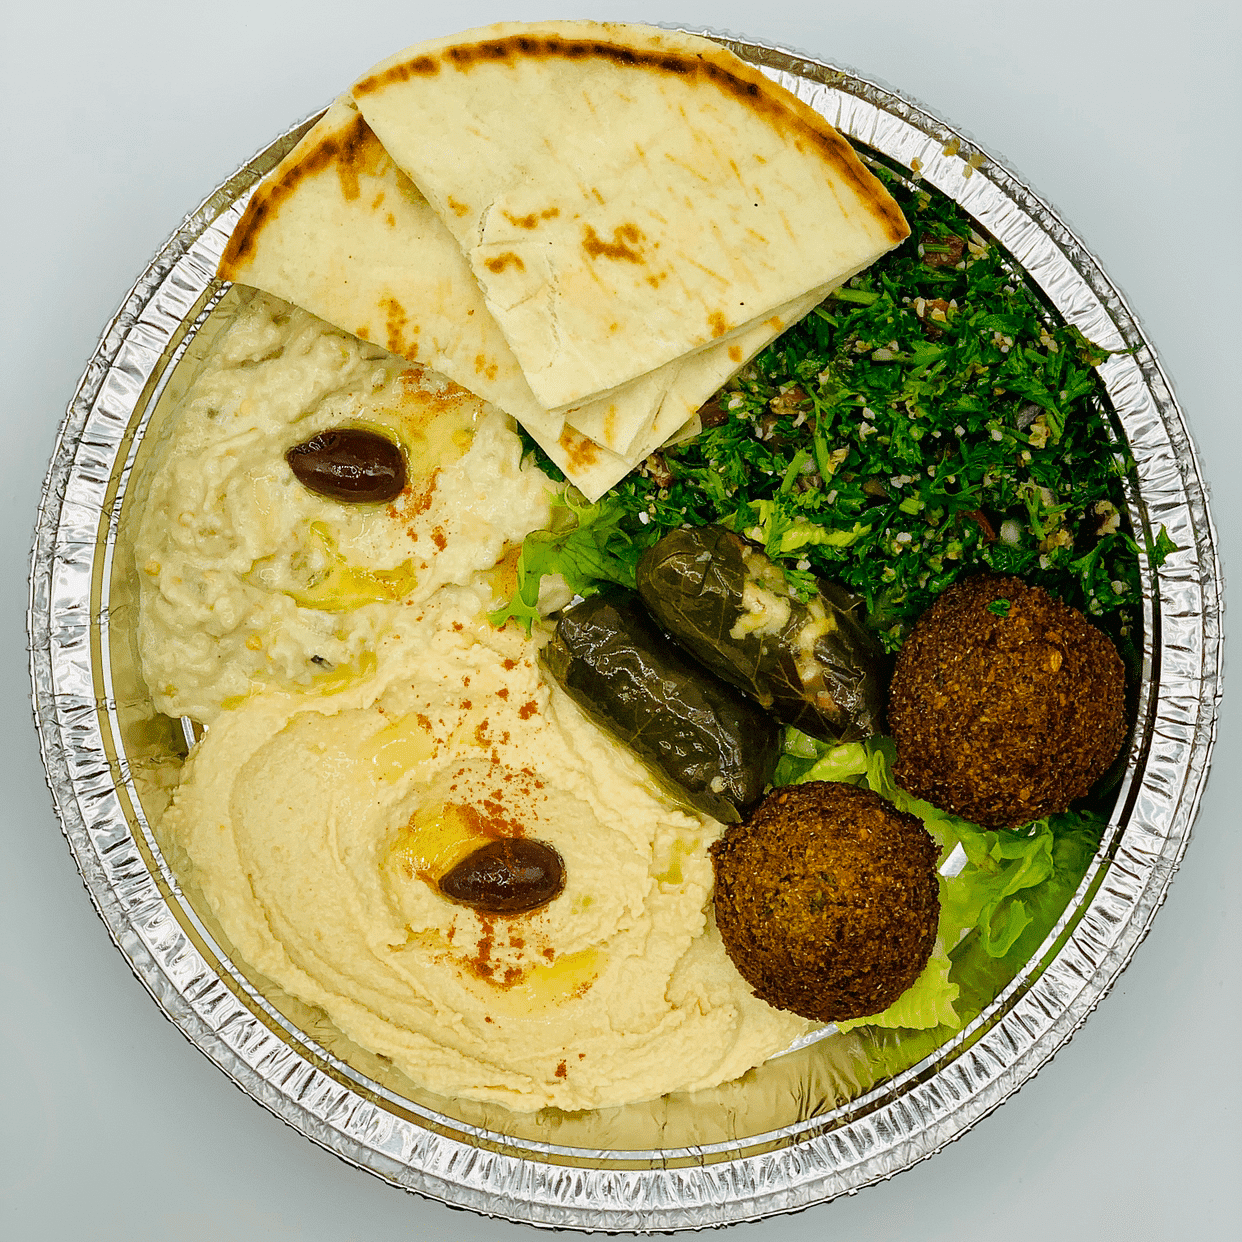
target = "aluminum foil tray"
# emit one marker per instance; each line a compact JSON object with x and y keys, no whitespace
{"x":782,"y":1138}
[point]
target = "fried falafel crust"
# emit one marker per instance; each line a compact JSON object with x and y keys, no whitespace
{"x":1005,"y":712}
{"x":827,"y":900}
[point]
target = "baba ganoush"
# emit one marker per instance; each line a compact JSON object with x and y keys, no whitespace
{"x":249,"y":579}
{"x":368,"y":728}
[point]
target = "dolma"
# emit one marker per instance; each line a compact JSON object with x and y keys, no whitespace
{"x":705,"y":743}
{"x":810,"y":662}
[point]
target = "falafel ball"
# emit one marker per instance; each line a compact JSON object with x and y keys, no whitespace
{"x":827,"y":900}
{"x":1005,"y":704}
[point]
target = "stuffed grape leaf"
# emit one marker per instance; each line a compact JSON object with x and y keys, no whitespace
{"x":706,"y":743}
{"x":806,"y":658}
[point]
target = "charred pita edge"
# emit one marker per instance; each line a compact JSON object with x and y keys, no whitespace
{"x":348,"y":150}
{"x":719,"y":68}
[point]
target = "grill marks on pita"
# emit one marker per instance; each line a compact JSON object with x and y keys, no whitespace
{"x":746,"y":88}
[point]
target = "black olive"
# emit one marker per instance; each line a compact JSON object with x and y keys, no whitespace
{"x":509,"y":876}
{"x":349,"y":464}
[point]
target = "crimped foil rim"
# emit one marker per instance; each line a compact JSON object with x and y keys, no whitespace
{"x":867,"y":1140}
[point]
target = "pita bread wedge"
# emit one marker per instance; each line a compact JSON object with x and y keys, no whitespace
{"x":625,"y":196}
{"x":337,"y":229}
{"x":593,"y":468}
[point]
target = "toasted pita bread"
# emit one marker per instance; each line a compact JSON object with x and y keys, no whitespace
{"x":339,"y":230}
{"x":625,"y":196}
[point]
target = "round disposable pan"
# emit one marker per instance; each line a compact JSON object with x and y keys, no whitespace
{"x":800,"y":1129}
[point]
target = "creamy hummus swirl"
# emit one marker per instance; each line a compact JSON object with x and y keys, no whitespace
{"x":317,"y":827}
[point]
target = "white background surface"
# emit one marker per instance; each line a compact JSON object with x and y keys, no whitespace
{"x":123,"y":116}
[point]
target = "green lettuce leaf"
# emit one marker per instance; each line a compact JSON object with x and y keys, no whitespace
{"x":585,"y":544}
{"x":976,"y":968}
{"x":805,"y":758}
{"x":985,"y":894}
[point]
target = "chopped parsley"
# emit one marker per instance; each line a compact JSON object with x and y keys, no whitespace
{"x":932,"y":418}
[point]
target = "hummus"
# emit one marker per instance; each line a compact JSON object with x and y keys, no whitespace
{"x":317,"y":827}
{"x":368,"y":729}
